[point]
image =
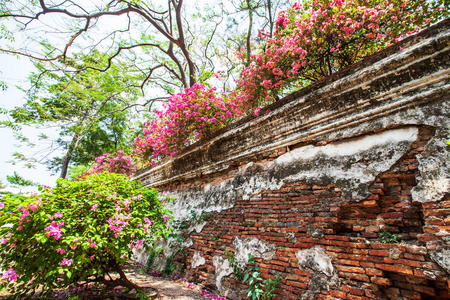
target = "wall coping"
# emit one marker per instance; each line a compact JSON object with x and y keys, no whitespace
{"x":347,"y":98}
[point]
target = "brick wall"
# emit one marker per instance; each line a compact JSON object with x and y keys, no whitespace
{"x":313,"y":195}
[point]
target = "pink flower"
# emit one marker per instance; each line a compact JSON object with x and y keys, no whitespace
{"x":66,"y":262}
{"x":94,"y":207}
{"x":58,"y":215}
{"x":2,"y":204}
{"x":92,"y":245}
{"x":9,"y":275}
{"x":3,"y":241}
{"x":61,"y":251}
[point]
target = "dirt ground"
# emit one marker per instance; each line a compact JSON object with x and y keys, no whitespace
{"x":167,"y":289}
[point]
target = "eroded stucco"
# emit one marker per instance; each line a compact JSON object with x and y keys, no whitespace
{"x":350,"y":164}
{"x":319,"y":264}
{"x":253,"y":246}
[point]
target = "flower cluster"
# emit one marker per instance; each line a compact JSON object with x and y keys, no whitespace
{"x":120,"y":163}
{"x":186,"y":118}
{"x":320,"y":37}
{"x":9,"y":275}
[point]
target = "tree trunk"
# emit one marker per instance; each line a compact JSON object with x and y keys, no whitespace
{"x":249,"y":32}
{"x":68,"y":157}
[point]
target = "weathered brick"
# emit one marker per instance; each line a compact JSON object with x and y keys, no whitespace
{"x":396,"y":269}
{"x":381,"y":281}
{"x":350,"y":269}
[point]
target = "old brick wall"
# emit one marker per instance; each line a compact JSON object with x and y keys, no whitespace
{"x":312,"y":187}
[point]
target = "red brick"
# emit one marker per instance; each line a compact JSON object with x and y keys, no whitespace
{"x":350,"y":269}
{"x":396,"y":269}
{"x":414,"y":257}
{"x":354,"y":276}
{"x":417,"y":249}
{"x":353,"y":297}
{"x":338,"y":294}
{"x":352,"y":290}
{"x":379,"y":252}
{"x":372,"y":272}
{"x":411,"y":295}
{"x":297,"y":284}
{"x":381,"y":281}
{"x":434,"y":221}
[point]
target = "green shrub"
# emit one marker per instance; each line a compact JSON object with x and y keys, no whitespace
{"x":78,"y":232}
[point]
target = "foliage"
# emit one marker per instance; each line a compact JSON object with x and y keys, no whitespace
{"x":259,"y":288}
{"x":2,"y":185}
{"x":187,"y":117}
{"x":238,"y":273}
{"x":18,"y":180}
{"x":79,"y":231}
{"x":90,"y":109}
{"x":76,"y":171}
{"x":321,"y":37}
{"x":389,"y":238}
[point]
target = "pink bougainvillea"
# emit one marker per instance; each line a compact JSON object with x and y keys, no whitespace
{"x":312,"y":40}
{"x":114,"y":163}
{"x":186,"y":117}
{"x":320,"y":37}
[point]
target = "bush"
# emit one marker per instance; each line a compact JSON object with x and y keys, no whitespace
{"x":78,"y":232}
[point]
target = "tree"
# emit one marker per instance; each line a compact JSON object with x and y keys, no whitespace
{"x":261,"y":15}
{"x":18,"y":181}
{"x":91,"y":108}
{"x":77,"y":233}
{"x":153,"y":39}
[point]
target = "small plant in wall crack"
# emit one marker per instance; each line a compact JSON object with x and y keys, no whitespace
{"x":256,"y":289}
{"x":389,"y":238}
{"x":238,"y":273}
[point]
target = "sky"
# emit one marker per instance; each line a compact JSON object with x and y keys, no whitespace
{"x":15,"y":72}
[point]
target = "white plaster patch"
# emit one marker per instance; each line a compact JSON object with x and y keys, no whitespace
{"x":315,"y":259}
{"x":197,"y":260}
{"x":351,"y":164}
{"x":253,"y":246}
{"x":187,"y":243}
{"x":351,"y":147}
{"x":223,"y":269}
{"x":197,"y":227}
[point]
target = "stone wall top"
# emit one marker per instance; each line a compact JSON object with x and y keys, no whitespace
{"x":389,"y":89}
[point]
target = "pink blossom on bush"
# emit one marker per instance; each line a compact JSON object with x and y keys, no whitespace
{"x":54,"y":230}
{"x":9,"y":275}
{"x":318,"y":38}
{"x":66,"y":262}
{"x":187,"y":117}
{"x":120,"y":163}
